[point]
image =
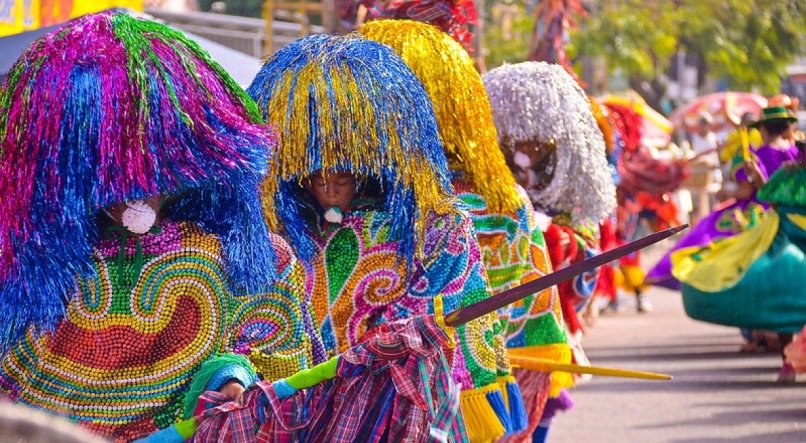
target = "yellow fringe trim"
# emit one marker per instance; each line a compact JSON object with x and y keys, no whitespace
{"x":560,"y":381}
{"x":481,"y":421}
{"x":630,"y":278}
{"x":559,"y":353}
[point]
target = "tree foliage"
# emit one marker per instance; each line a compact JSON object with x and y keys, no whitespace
{"x":749,"y":44}
{"x":636,"y":36}
{"x":507,"y":34}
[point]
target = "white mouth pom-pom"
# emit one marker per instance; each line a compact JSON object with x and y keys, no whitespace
{"x":334,"y":215}
{"x":522,"y":160}
{"x":138,"y":217}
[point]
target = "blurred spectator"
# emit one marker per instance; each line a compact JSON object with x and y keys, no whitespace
{"x":704,"y":142}
{"x":21,"y":424}
{"x":706,"y":176}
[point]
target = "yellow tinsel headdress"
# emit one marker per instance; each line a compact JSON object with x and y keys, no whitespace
{"x":345,"y":103}
{"x":460,"y":103}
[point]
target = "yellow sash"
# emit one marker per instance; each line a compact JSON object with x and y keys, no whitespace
{"x":722,"y":264}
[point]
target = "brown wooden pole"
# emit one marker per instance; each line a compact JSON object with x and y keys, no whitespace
{"x":492,"y":304}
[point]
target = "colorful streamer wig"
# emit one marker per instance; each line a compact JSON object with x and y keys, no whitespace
{"x":344,"y":103}
{"x":112,"y":108}
{"x":539,"y":103}
{"x":460,"y":102}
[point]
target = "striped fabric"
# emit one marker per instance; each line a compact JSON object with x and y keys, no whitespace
{"x":396,"y":386}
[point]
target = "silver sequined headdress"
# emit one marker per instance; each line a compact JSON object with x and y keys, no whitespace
{"x":540,"y":104}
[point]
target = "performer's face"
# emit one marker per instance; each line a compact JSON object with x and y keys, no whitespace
{"x":531,"y":162}
{"x":333,"y":189}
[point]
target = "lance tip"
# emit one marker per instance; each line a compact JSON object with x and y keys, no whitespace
{"x":680,"y":228}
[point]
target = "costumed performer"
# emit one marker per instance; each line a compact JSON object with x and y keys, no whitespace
{"x":643,"y":195}
{"x":606,"y":285}
{"x":134,"y":248}
{"x":791,"y":104}
{"x":755,"y":279}
{"x":741,"y":208}
{"x":512,"y":245}
{"x":544,"y":152}
{"x":615,"y":123}
{"x":363,"y":194}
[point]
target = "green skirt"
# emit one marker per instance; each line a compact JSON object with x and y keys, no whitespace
{"x":771,"y":295}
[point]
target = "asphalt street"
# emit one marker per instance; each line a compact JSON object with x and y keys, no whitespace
{"x":718,"y":394}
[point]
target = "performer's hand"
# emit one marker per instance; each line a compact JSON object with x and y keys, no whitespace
{"x":729,"y":190}
{"x":754,"y":174}
{"x":233,"y":390}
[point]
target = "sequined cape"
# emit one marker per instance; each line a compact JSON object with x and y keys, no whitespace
{"x":514,"y":252}
{"x":358,"y":281}
{"x":122,"y":359}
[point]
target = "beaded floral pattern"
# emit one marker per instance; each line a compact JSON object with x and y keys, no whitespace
{"x":514,"y":252}
{"x":359,"y":281}
{"x":122,"y":358}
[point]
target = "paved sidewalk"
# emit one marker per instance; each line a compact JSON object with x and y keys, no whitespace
{"x":717,"y":395}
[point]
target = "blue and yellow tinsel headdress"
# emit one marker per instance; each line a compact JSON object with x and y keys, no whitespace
{"x":344,"y":103}
{"x":460,"y":103}
{"x":107,"y":109}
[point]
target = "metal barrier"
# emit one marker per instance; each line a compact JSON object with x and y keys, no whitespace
{"x":244,"y":34}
